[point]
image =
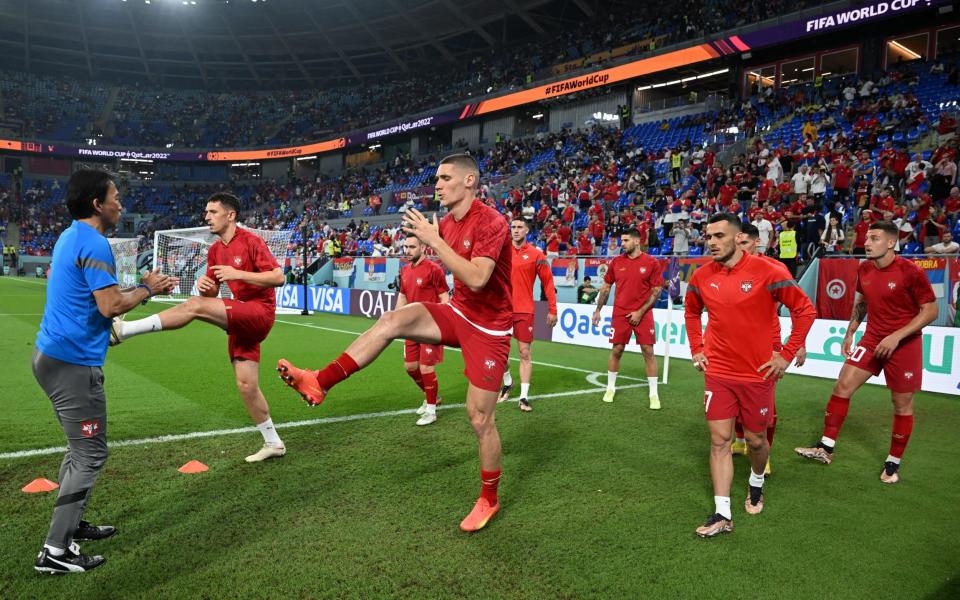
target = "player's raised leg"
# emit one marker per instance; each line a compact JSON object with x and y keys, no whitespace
{"x":248,"y":384}
{"x":412,"y":322}
{"x":481,"y":406}
{"x":210,"y":310}
{"x":850,"y":380}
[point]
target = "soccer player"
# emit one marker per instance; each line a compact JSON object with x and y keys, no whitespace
{"x":749,"y":242}
{"x":82,"y":297}
{"x":901,"y":302}
{"x":639,"y":281}
{"x":528,"y":263}
{"x":741,"y":293}
{"x":243,"y":262}
{"x":422,"y":281}
{"x":473,"y":241}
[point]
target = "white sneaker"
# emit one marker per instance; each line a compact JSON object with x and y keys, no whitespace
{"x":423,"y":408}
{"x":267,"y":451}
{"x":116,"y":331}
{"x":608,"y":395}
{"x":427,"y":419}
{"x":654,"y":403}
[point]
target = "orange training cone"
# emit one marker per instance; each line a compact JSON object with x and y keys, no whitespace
{"x":40,"y":485}
{"x":194,"y":466}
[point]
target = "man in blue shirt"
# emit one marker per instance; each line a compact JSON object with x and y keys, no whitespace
{"x":82,"y":299}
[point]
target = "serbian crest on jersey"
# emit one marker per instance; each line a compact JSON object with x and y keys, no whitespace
{"x":466,"y":244}
{"x":643,"y":270}
{"x":892,"y":285}
{"x":237,"y":261}
{"x":746,"y":286}
{"x":90,"y":428}
{"x":526,"y":257}
{"x":419,"y":281}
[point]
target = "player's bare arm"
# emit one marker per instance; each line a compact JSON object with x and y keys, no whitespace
{"x":927,"y":315}
{"x":473,"y":273}
{"x":856,"y":317}
{"x":112,"y":302}
{"x":602,"y":297}
{"x":273,"y":278}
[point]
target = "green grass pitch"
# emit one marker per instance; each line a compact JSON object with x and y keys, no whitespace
{"x":599,"y":501}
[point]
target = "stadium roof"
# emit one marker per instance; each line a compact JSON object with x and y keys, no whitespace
{"x":250,"y":44}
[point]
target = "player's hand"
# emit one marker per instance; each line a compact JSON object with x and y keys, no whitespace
{"x":206,"y":284}
{"x":595,"y":321}
{"x":886,"y":346}
{"x":226,"y":273}
{"x":801,"y":357}
{"x":775,"y":367}
{"x":846,"y":348}
{"x":700,"y":362}
{"x":426,"y":230}
{"x":634,"y":318}
{"x":158,"y":282}
{"x":552,"y":320}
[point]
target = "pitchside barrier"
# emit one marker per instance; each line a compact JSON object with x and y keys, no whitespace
{"x":941,"y":364}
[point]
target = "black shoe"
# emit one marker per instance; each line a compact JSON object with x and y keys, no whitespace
{"x":86,"y":532}
{"x":504,"y":393}
{"x":525,"y":405}
{"x":71,"y":561}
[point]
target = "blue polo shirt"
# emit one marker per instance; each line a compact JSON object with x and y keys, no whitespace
{"x":72,"y":329}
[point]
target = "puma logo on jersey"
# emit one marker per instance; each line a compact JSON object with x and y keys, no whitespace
{"x":714,"y":285}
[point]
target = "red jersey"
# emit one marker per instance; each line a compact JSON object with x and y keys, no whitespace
{"x":245,"y":252}
{"x":635,"y":279}
{"x":482,"y":232}
{"x":565,"y":234}
{"x":894,"y":295}
{"x":423,"y":282}
{"x":529,"y":263}
{"x":742,"y":302}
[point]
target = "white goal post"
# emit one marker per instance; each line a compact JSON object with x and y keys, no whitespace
{"x":183,"y":254}
{"x":125,"y":254}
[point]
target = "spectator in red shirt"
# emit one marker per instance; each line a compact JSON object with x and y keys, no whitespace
{"x":842,"y":176}
{"x":596,"y":230}
{"x":584,"y":243}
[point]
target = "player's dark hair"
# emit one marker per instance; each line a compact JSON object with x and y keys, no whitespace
{"x":526,"y":222}
{"x":887,"y":226}
{"x":750,"y":230}
{"x":85,"y":187}
{"x":227,"y":199}
{"x":462,"y":161}
{"x":732,"y":219}
{"x":631,"y":231}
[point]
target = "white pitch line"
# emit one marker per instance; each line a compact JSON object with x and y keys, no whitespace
{"x":22,"y":280}
{"x":542,"y":364}
{"x":324,"y":421}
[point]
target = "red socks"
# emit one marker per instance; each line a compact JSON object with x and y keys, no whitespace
{"x":489,"y":481}
{"x":337,"y":371}
{"x":417,"y":376}
{"x":771,"y":429}
{"x":430,"y":387}
{"x":902,"y":428}
{"x":834,"y":416}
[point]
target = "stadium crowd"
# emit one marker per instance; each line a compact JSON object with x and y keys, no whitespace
{"x":71,"y":110}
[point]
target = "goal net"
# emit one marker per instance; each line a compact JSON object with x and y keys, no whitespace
{"x":125,"y":252}
{"x":183,"y":254}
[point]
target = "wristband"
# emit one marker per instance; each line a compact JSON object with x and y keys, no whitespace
{"x":149,"y":292}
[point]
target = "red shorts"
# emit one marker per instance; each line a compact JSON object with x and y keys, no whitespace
{"x":903,"y":369}
{"x":523,"y":327}
{"x":751,"y":401}
{"x":621,"y":330}
{"x":484,"y":355}
{"x":425,"y":354}
{"x":248,"y":324}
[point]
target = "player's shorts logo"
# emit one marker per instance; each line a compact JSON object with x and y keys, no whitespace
{"x":746,"y":286}
{"x":90,"y":428}
{"x":764,"y":411}
{"x":429,"y":350}
{"x":489,"y":364}
{"x":908,"y":375}
{"x":836,"y":289}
